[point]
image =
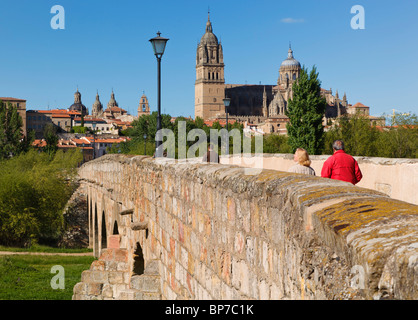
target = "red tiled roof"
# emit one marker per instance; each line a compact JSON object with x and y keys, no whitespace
{"x":57,"y":115}
{"x":11,"y":99}
{"x":359,"y":105}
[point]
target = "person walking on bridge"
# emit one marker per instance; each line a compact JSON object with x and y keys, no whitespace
{"x":341,"y":166}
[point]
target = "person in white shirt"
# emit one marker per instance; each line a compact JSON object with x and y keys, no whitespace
{"x":303,"y":163}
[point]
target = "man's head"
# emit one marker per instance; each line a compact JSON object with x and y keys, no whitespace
{"x":338,"y":145}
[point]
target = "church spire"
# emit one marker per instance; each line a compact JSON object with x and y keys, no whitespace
{"x":209,"y":24}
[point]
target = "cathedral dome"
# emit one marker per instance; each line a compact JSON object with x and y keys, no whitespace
{"x":77,"y":105}
{"x":290,"y":61}
{"x":209,"y":37}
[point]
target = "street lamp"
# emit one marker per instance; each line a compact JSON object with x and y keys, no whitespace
{"x":94,"y":140}
{"x":227,"y":102}
{"x":145,"y":144}
{"x":158,"y":44}
{"x":82,"y":150}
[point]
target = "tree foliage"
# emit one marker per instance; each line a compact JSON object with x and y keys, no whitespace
{"x":305,"y":111}
{"x":12,"y":140}
{"x":362,"y":139}
{"x":34,"y":189}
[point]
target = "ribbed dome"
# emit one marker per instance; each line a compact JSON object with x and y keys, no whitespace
{"x":78,"y":105}
{"x":290,"y":61}
{"x":97,"y":104}
{"x":209,"y":37}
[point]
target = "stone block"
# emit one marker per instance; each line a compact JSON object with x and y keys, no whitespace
{"x":113,"y":241}
{"x":107,"y":255}
{"x":99,"y":277}
{"x":121,"y":255}
{"x":151,"y":284}
{"x":115,"y":277}
{"x":98,"y":265}
{"x":86,"y":276}
{"x":152,"y":268}
{"x":136,"y":282}
{"x":151,"y":296}
{"x":80,"y":288}
{"x":107,"y":291}
{"x":94,"y":289}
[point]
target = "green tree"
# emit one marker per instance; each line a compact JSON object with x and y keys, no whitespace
{"x":275,"y":143}
{"x":400,"y":140}
{"x":12,"y":141}
{"x":51,"y":138}
{"x":34,"y":189}
{"x":305,"y":111}
{"x":358,"y":135}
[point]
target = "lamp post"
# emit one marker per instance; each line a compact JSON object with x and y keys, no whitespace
{"x":145,"y":144}
{"x":82,"y":150}
{"x":227,"y":102}
{"x":94,"y":140}
{"x":158,"y":44}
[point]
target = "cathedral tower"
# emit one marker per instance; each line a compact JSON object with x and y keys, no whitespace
{"x":143,"y":107}
{"x":97,"y":109}
{"x":289,"y":71}
{"x":210,"y":79}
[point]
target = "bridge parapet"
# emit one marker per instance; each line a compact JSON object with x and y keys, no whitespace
{"x":219,"y":233}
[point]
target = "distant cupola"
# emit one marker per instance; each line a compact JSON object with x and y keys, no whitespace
{"x":289,"y":70}
{"x":112,"y":103}
{"x":78,"y":106}
{"x":97,"y":109}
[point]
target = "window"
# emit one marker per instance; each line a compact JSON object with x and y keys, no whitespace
{"x":144,"y":108}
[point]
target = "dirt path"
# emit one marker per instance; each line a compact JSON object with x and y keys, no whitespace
{"x":9,"y":253}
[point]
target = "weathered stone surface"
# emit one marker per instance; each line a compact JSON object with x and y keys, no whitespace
{"x":218,"y":232}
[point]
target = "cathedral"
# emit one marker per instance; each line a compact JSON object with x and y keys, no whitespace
{"x":262,"y":106}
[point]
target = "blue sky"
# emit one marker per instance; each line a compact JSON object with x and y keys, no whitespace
{"x":105,"y":45}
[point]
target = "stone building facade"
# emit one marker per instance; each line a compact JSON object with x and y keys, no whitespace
{"x":262,"y":106}
{"x":143,"y":107}
{"x":20,"y":105}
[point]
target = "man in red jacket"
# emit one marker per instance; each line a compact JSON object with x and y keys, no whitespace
{"x":341,"y":166}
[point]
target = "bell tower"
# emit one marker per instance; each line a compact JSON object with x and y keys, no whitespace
{"x":210,"y":80}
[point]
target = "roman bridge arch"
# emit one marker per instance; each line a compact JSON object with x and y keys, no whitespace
{"x":166,"y":229}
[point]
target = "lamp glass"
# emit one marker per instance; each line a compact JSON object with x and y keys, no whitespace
{"x":158,"y":44}
{"x":227,"y":102}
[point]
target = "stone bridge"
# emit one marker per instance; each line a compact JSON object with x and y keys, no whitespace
{"x":171,"y":229}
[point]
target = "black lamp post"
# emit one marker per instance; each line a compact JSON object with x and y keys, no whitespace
{"x":227,"y":102}
{"x":94,"y":140}
{"x":145,"y":144}
{"x":82,"y":151}
{"x":158,"y":44}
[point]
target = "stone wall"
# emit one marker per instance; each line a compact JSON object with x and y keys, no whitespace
{"x":212,"y":231}
{"x":395,"y":177}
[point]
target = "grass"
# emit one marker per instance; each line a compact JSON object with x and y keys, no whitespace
{"x":46,"y":249}
{"x":28,"y":277}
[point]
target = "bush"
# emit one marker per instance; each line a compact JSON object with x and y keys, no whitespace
{"x":33,"y":192}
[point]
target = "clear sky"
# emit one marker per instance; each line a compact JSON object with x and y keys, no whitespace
{"x":105,"y":45}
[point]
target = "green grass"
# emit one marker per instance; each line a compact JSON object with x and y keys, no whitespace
{"x":28,"y":277}
{"x":46,"y":249}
